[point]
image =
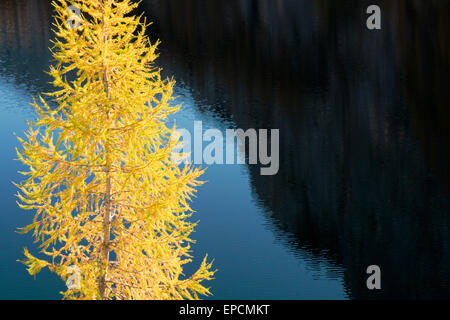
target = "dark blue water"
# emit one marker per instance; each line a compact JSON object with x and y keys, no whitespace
{"x":364,"y":156}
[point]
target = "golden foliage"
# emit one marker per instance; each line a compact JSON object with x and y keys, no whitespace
{"x":108,"y":198}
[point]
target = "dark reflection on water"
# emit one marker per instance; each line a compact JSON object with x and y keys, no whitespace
{"x":24,"y":41}
{"x":364,"y":166}
{"x":364,"y":172}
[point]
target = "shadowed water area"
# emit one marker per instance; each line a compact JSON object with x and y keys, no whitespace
{"x":364,"y":124}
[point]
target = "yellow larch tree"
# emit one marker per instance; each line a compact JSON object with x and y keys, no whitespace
{"x":111,"y":206}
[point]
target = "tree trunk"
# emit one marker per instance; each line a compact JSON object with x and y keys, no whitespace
{"x":108,"y":206}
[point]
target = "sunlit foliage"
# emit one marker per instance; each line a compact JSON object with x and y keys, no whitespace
{"x":111,"y":204}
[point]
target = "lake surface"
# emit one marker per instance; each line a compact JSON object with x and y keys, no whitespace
{"x":364,"y":153}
